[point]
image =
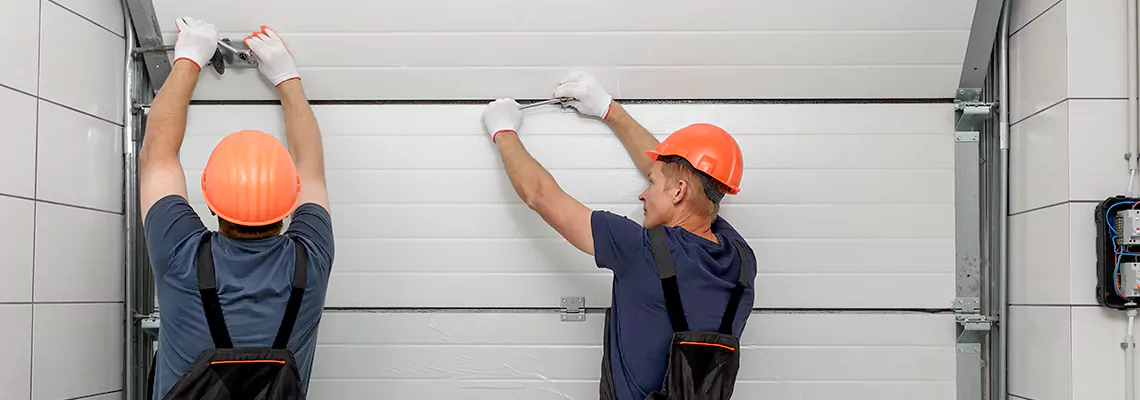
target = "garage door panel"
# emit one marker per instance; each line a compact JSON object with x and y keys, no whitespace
{"x":850,"y":256}
{"x":632,"y":48}
{"x":753,"y":221}
{"x":412,"y":152}
{"x":934,"y":186}
{"x":402,"y":361}
{"x":786,"y":329}
{"x":501,"y":290}
{"x":535,"y":352}
{"x":662,"y":119}
{"x":707,"y":82}
{"x":535,"y":16}
{"x":360,"y":389}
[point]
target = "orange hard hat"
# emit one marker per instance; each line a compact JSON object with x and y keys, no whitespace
{"x":708,"y":149}
{"x":250,"y":179}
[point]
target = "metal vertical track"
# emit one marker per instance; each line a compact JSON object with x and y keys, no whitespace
{"x":1000,"y":350}
{"x":129,"y":204}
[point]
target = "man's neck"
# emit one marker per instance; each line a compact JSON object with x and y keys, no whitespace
{"x":700,"y":226}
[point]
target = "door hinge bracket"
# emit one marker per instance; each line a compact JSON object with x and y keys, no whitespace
{"x":968,"y":313}
{"x":971,"y":115}
{"x":573,"y":309}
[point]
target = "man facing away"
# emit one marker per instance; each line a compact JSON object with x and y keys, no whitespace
{"x":688,"y":175}
{"x":252,"y":183}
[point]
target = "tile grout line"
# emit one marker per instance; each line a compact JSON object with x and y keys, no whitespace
{"x":1040,"y":208}
{"x":20,"y":303}
{"x":1034,"y":114}
{"x":1035,"y":18}
{"x":56,"y":203}
{"x":118,"y":124}
{"x":87,"y":19}
{"x":94,"y":395}
{"x":35,"y":189}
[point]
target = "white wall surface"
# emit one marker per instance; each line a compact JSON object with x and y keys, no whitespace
{"x":1068,"y":103}
{"x":61,"y":106}
{"x":641,"y":49}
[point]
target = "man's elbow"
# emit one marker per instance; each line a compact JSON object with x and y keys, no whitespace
{"x":534,"y":199}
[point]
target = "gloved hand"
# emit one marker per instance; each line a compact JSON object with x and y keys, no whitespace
{"x":501,"y":116}
{"x":273,"y":58}
{"x":589,"y":97}
{"x":197,"y":41}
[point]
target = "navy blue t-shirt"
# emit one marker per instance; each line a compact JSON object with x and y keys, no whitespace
{"x":640,"y":331}
{"x":254,"y":281}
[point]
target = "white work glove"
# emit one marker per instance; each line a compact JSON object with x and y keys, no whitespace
{"x":589,"y":97}
{"x":501,"y":116}
{"x":197,"y":41}
{"x":273,"y":58}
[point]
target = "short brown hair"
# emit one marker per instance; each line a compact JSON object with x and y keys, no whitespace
{"x":243,"y":232}
{"x":699,"y":200}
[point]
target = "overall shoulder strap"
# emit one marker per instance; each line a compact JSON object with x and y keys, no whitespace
{"x":208,"y":289}
{"x":737,"y":291}
{"x":668,"y":274}
{"x":300,"y":277}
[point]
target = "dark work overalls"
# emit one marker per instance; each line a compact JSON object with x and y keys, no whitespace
{"x":226,"y":373}
{"x":702,"y":365}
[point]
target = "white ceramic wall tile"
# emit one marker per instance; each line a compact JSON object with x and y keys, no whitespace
{"x":79,"y":255}
{"x":1040,"y":363}
{"x":19,"y":221}
{"x":1024,"y":11}
{"x":1098,"y":362}
{"x":15,"y":354}
{"x":18,"y":134}
{"x":1038,"y":160}
{"x":1097,"y":133}
{"x":66,"y":38}
{"x":107,"y":13}
{"x":80,"y":350}
{"x":20,"y":38}
{"x":1039,"y":248}
{"x":1038,"y":65}
{"x":1097,"y":48}
{"x":108,"y":396}
{"x":80,"y":159}
{"x":1082,"y":253}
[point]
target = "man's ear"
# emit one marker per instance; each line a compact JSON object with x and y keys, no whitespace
{"x":680,"y":191}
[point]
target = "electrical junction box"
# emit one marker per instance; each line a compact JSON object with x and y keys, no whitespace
{"x":1117,"y":222}
{"x":1128,"y":226}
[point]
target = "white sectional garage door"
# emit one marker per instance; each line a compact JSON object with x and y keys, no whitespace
{"x":446,"y":286}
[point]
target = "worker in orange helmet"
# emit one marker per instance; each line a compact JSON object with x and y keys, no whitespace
{"x":683,"y":279}
{"x":252,"y":285}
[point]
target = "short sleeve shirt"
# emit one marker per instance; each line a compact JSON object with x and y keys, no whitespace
{"x":253,"y":278}
{"x":640,"y":330}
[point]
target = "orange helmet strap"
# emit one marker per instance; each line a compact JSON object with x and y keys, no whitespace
{"x":707,"y":182}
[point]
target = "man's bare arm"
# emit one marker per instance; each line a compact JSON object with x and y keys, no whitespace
{"x":301,"y":131}
{"x":304,"y":138}
{"x":160,"y":171}
{"x":541,"y":193}
{"x":636,"y":139}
